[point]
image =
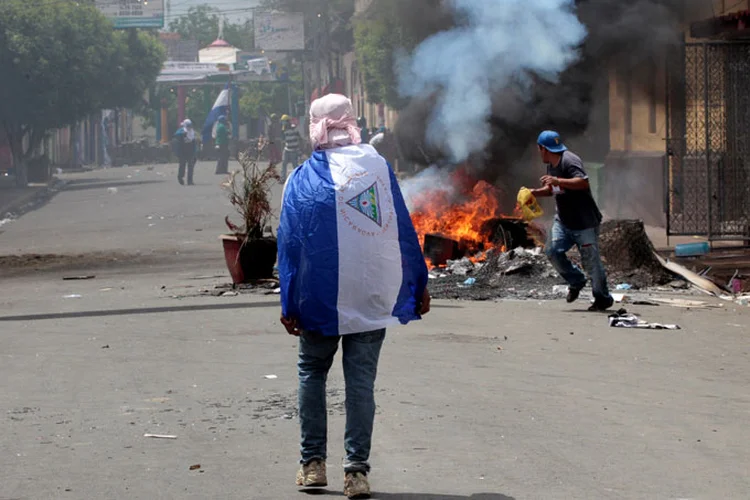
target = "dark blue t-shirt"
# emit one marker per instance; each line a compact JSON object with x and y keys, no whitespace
{"x":576,"y":210}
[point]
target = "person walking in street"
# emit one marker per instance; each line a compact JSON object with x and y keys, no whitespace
{"x":350,"y":265}
{"x":291,"y":146}
{"x":186,"y":148}
{"x":577,"y":220}
{"x":222,"y":144}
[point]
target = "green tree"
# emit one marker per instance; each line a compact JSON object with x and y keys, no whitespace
{"x":202,"y":23}
{"x":389,"y":28}
{"x":61,"y":62}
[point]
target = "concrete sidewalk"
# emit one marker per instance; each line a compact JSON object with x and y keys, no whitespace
{"x":14,"y":199}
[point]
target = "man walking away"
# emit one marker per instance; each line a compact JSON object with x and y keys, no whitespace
{"x":222,"y":144}
{"x":350,"y":265}
{"x":291,"y":146}
{"x":186,"y":149}
{"x":577,"y":220}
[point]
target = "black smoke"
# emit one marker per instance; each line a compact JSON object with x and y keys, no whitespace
{"x":623,"y":37}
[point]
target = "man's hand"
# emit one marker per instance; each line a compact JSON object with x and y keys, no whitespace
{"x":292,"y":326}
{"x":425,"y":306}
{"x":548,"y":180}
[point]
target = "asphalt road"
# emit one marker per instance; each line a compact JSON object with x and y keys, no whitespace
{"x":480,"y":401}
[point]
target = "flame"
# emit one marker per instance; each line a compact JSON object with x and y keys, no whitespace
{"x":458,"y":215}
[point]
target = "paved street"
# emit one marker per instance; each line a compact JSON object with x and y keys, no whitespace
{"x":481,"y":401}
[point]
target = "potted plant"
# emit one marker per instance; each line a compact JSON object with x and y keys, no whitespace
{"x":250,"y":254}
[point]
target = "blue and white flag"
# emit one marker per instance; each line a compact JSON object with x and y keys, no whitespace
{"x":221,"y":107}
{"x":349,"y":257}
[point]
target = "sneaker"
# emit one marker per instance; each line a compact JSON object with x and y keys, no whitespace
{"x":182,"y":183}
{"x":356,"y":485}
{"x":602,"y":305}
{"x":312,"y":475}
{"x":573,"y":294}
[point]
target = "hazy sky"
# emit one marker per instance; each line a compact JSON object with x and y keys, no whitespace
{"x":233,"y":9}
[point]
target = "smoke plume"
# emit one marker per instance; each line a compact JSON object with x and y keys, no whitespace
{"x":508,"y":69}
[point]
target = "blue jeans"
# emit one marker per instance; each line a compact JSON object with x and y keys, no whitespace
{"x":561,"y":240}
{"x":360,"y":360}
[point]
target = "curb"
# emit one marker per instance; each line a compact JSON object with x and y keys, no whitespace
{"x":32,"y":200}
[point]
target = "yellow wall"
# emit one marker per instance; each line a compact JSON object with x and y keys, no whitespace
{"x":642,"y":139}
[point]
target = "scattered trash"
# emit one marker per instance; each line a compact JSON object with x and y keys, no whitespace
{"x":620,"y":297}
{"x":689,"y":304}
{"x":105,"y":289}
{"x":624,"y":319}
{"x":679,"y":284}
{"x":704,"y":284}
{"x":271,"y":377}
{"x":6,"y":221}
{"x":499,"y":348}
{"x":59,"y":171}
{"x":105,"y":346}
{"x":229,"y":294}
{"x":150,"y":168}
{"x":470,"y":281}
{"x":645,"y":302}
{"x":277,"y":290}
{"x":744,"y":300}
{"x":560,"y":289}
{"x":736,"y":285}
{"x":160,"y":436}
{"x":71,"y":278}
{"x":112,"y":190}
{"x":72,"y":296}
{"x":460,"y":267}
{"x":624,"y":286}
{"x":195,"y":467}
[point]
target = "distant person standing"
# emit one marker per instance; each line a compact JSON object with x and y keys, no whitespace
{"x":222,"y":144}
{"x":577,"y":220}
{"x":275,"y":136}
{"x":365,"y":133}
{"x":291,"y":146}
{"x":186,"y":148}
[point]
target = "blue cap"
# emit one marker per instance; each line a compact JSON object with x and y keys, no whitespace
{"x":550,"y":140}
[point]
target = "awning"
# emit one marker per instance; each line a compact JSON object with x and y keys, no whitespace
{"x":734,"y":25}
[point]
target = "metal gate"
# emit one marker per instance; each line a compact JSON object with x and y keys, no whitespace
{"x":708,"y":141}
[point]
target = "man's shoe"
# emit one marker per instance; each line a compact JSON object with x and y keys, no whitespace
{"x":182,"y":183}
{"x":573,"y":294}
{"x":312,"y":475}
{"x":602,"y":305}
{"x":356,"y":485}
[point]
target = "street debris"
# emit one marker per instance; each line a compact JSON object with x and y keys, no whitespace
{"x":624,"y":319}
{"x":105,"y":346}
{"x":229,"y":294}
{"x":195,"y":467}
{"x":160,"y":436}
{"x":629,"y":256}
{"x":624,"y":286}
{"x":74,"y":278}
{"x":702,"y":283}
{"x":271,"y":377}
{"x":112,"y":190}
{"x":72,"y":296}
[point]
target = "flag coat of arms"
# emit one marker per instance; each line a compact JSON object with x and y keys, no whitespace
{"x":349,"y":257}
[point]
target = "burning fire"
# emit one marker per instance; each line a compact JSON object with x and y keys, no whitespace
{"x":458,"y":215}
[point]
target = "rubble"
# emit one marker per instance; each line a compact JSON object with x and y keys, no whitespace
{"x":629,"y":255}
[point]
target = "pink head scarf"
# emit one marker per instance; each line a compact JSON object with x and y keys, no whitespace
{"x":332,"y":122}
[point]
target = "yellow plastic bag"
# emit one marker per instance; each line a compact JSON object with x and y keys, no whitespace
{"x":528,"y":205}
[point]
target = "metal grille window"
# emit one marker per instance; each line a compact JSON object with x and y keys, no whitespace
{"x":708,"y":142}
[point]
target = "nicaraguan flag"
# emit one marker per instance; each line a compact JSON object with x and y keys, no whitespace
{"x":221,"y":107}
{"x":349,"y":257}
